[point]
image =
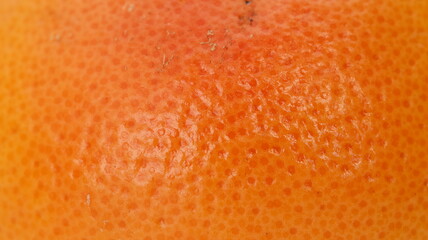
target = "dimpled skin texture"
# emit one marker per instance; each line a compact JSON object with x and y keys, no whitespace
{"x":213,"y":120}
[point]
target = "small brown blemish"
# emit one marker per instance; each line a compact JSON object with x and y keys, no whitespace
{"x":247,"y":17}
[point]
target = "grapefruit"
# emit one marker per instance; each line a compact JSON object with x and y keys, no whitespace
{"x":214,"y":120}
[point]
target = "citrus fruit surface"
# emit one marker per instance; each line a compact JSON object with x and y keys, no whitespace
{"x":213,"y":120}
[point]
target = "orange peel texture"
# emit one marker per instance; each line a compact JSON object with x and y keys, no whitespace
{"x":213,"y":120}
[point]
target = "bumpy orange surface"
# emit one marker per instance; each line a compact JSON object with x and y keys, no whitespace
{"x":213,"y":120}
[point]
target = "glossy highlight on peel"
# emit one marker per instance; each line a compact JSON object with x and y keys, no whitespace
{"x":213,"y":120}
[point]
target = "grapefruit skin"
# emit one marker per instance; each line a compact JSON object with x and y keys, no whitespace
{"x":215,"y":120}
